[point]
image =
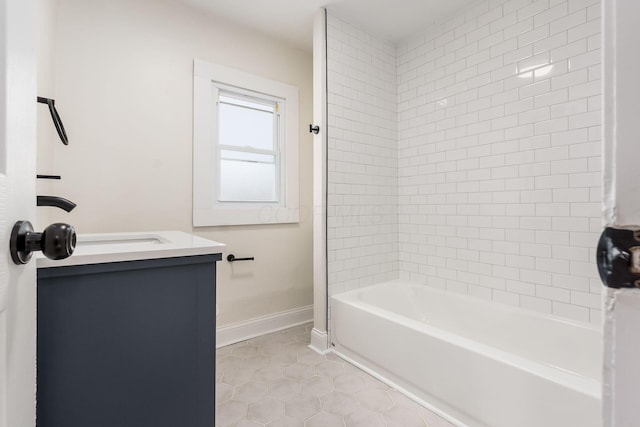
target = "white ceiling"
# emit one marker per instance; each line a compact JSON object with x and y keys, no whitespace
{"x":291,"y":20}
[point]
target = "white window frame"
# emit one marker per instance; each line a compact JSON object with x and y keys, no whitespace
{"x":207,"y":209}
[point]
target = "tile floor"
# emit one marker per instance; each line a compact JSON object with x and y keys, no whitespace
{"x":275,"y":380}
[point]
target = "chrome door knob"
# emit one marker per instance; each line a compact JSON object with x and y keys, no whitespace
{"x":57,"y":241}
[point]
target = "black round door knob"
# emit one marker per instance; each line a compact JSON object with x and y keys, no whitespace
{"x":57,"y":241}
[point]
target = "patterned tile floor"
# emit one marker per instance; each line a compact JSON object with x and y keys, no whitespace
{"x":275,"y":380}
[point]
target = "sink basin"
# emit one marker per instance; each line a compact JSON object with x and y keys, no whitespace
{"x":94,"y":240}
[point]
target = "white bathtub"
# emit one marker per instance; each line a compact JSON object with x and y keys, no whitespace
{"x":478,"y":363}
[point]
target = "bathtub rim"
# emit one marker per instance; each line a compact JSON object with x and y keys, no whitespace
{"x":575,"y":381}
{"x":349,"y":296}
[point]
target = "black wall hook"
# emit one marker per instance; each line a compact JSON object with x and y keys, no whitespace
{"x":57,"y":122}
{"x":314,"y":129}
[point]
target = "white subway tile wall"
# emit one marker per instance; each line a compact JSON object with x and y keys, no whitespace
{"x":362,"y":203}
{"x":468,"y":157}
{"x":499,"y":155}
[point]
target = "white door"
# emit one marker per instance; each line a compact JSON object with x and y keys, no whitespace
{"x":17,"y":202}
{"x":621,"y":41}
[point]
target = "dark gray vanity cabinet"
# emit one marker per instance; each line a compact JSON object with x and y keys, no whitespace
{"x":127,"y":344}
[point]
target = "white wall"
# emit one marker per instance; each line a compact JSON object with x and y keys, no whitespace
{"x":362,"y":159}
{"x":498,"y":154}
{"x":45,"y":50}
{"x":123,"y":86}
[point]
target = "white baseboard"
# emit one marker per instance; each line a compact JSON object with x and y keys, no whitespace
{"x":319,"y":341}
{"x":241,"y":331}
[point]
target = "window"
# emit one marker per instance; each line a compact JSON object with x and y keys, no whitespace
{"x":248,"y":147}
{"x":245,"y":148}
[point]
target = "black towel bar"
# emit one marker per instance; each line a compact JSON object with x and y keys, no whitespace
{"x":232,"y":258}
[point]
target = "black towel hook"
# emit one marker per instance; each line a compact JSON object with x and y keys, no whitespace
{"x":57,"y":122}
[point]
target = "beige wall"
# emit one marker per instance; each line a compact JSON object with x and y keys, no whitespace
{"x":123,"y":86}
{"x":45,"y":51}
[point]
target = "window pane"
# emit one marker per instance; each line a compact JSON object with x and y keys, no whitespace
{"x":249,"y":157}
{"x":247,"y":101}
{"x":247,"y":181}
{"x":243,"y":126}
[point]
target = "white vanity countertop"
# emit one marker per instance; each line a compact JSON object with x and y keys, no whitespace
{"x":117,"y":247}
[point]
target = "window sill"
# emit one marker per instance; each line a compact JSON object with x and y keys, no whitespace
{"x":258,"y":216}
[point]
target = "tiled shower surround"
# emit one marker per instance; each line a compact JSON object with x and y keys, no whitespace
{"x":496,"y":150}
{"x":362,"y":191}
